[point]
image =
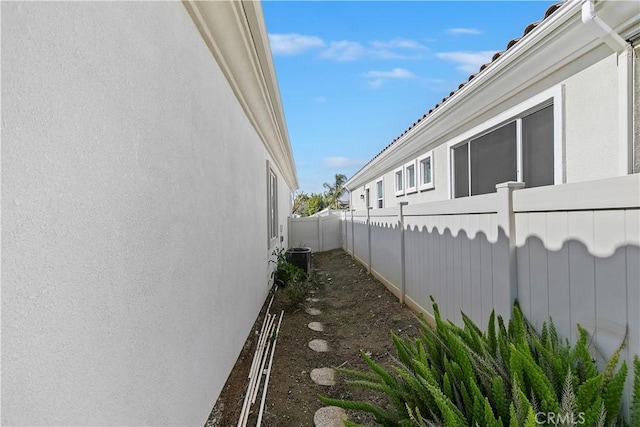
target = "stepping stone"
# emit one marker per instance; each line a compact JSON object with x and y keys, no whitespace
{"x":329,"y":416}
{"x":323,"y":376}
{"x":313,"y":311}
{"x":316,"y":326}
{"x":319,"y":345}
{"x":313,"y":299}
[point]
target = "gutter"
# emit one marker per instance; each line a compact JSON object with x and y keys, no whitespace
{"x":624,"y":51}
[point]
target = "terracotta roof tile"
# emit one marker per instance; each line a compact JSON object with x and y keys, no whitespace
{"x":550,"y":10}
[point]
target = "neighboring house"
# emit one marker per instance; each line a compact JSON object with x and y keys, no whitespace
{"x":146,"y":180}
{"x":555,"y":107}
{"x":437,"y":214}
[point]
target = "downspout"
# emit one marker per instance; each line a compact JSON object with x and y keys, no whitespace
{"x":624,"y":51}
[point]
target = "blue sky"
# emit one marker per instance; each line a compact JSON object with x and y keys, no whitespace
{"x":354,"y":75}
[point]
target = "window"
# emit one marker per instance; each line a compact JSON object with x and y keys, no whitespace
{"x":520,"y":150}
{"x":272,"y":203}
{"x":537,"y":148}
{"x":380,"y":194}
{"x":425,"y":171}
{"x":410,"y":177}
{"x":493,"y":159}
{"x":399,"y":178}
{"x":367,"y":197}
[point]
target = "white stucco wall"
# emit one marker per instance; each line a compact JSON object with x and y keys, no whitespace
{"x":591,"y":122}
{"x":134,"y":249}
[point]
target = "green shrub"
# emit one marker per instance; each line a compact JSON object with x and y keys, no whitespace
{"x":292,"y":278}
{"x":507,"y":376}
{"x":298,"y":287}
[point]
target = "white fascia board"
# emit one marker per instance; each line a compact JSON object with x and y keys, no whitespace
{"x":559,"y":40}
{"x":235,"y":34}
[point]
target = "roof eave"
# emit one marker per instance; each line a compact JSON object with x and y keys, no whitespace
{"x":235,"y":33}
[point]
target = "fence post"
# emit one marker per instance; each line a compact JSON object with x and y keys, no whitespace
{"x":320,"y":242}
{"x":506,"y":275}
{"x":403,"y":273}
{"x":343,"y":214}
{"x":353,"y":237}
{"x":369,"y":238}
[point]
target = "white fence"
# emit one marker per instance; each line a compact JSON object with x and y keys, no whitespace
{"x":320,"y":233}
{"x":570,"y":252}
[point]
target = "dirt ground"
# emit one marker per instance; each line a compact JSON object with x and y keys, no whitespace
{"x":358,"y":312}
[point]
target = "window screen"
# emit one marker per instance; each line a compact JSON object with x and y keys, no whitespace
{"x":461,"y":170}
{"x":426,"y":170}
{"x":493,"y":159}
{"x":411,"y":176}
{"x":399,"y":181}
{"x":537,"y":148}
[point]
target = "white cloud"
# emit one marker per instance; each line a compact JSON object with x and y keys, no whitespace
{"x":396,"y":73}
{"x":397,"y":48}
{"x":398,"y":43}
{"x":468,"y":62}
{"x":340,"y":162}
{"x":380,"y":76}
{"x":344,"y":51}
{"x":463,"y":31}
{"x":293,"y":44}
{"x":375,"y":84}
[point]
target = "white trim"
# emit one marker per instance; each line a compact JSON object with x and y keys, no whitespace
{"x":272,"y":205}
{"x":422,"y":186}
{"x":367,"y":196}
{"x":559,"y":140}
{"x":553,"y":96}
{"x":399,"y":173}
{"x":519,"y":149}
{"x":407,"y":167}
{"x":625,"y":110}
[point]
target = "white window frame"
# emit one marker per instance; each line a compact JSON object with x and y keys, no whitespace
{"x":422,"y":186}
{"x":407,"y":168}
{"x":367,"y":196}
{"x":399,"y":173}
{"x":380,"y":197}
{"x":272,"y":205}
{"x":555,"y":96}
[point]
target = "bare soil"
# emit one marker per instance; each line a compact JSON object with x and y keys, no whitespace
{"x":358,"y":313}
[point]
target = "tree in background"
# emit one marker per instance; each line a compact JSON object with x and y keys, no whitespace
{"x":335,"y":190}
{"x":315,"y":203}
{"x":307,"y":204}
{"x":300,"y":201}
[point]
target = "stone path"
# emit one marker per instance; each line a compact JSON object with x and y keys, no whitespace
{"x":328,"y":416}
{"x":316,"y":326}
{"x":319,"y":345}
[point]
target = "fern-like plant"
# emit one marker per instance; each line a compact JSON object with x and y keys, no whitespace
{"x":507,"y":376}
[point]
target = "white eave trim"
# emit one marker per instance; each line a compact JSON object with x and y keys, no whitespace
{"x":235,"y":34}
